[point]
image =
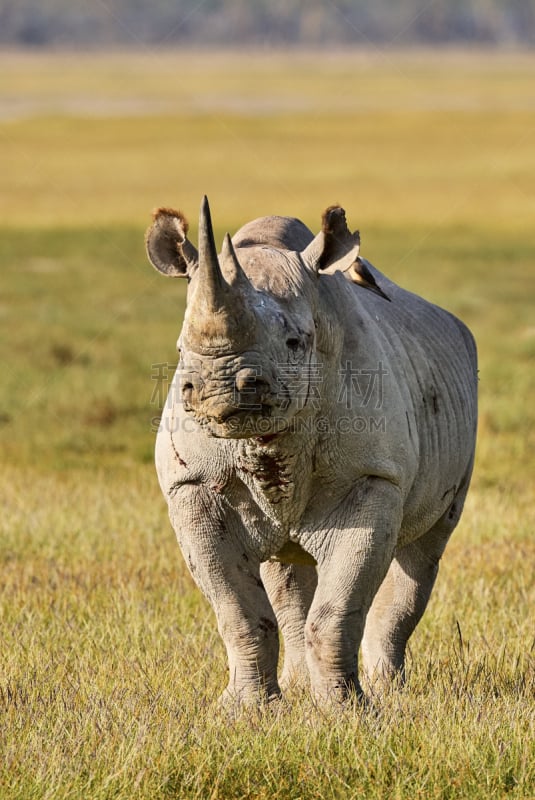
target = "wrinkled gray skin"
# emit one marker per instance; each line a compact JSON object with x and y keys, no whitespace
{"x":315,"y":450}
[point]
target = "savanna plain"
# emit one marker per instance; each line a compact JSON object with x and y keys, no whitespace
{"x":110,"y":663}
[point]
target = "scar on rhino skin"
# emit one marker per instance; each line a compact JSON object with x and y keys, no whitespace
{"x":177,"y":454}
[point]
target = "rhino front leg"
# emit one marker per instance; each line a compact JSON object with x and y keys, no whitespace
{"x":357,"y":543}
{"x":214,"y":545}
{"x":291,"y":588}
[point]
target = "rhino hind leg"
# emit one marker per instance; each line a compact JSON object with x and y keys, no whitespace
{"x":400,"y":603}
{"x":290,"y":588}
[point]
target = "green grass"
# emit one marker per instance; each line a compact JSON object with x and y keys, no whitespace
{"x":110,"y":662}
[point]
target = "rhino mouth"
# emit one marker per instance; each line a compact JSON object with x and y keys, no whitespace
{"x":233,"y":423}
{"x":246,"y":405}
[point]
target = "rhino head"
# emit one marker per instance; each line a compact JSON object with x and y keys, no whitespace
{"x":249,"y":363}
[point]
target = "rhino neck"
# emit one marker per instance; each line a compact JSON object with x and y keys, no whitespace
{"x":277,"y":473}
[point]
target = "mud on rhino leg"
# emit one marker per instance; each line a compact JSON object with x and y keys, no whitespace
{"x":359,"y":538}
{"x":214,"y":545}
{"x":291,"y":588}
{"x":401,"y":601}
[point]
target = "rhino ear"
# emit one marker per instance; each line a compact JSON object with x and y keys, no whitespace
{"x":335,"y":247}
{"x":168,"y":249}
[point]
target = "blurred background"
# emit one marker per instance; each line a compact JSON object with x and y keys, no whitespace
{"x":266,"y":22}
{"x":418,"y":118}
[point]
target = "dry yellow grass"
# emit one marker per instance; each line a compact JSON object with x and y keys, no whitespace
{"x":426,"y":140}
{"x":110,"y":660}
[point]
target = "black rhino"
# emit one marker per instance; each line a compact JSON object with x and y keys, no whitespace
{"x":315,"y":450}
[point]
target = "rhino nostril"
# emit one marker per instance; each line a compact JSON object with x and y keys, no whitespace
{"x":187,"y":392}
{"x":247,"y":380}
{"x":245,"y":384}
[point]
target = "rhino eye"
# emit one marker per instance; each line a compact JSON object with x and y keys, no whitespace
{"x":293,"y":343}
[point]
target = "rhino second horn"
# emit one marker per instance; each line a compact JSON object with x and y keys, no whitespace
{"x":232,"y":269}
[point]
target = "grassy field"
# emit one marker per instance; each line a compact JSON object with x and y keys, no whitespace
{"x":110,"y":662}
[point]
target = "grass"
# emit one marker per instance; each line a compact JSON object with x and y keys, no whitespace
{"x":110,"y":658}
{"x":404,"y":140}
{"x":468,"y":166}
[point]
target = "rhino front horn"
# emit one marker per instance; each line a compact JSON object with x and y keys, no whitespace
{"x":210,"y":276}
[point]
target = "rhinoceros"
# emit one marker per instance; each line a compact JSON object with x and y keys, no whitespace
{"x":315,"y":449}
